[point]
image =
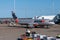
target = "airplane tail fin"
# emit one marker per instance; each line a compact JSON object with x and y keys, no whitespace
{"x":14,"y":16}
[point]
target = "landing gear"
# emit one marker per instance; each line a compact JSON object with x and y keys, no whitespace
{"x":47,"y":26}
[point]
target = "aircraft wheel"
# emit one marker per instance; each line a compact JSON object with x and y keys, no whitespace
{"x":47,"y":27}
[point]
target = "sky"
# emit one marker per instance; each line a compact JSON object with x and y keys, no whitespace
{"x":29,"y":8}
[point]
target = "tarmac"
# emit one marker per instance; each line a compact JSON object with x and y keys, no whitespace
{"x":12,"y":33}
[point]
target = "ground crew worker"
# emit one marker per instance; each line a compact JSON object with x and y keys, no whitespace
{"x":38,"y":37}
{"x":27,"y":32}
{"x":25,"y":38}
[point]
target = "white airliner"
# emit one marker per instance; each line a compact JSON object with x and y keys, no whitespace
{"x":47,"y":17}
{"x":52,"y":19}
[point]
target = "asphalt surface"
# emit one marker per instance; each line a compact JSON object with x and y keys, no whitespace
{"x":12,"y":33}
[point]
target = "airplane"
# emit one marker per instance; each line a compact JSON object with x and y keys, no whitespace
{"x":21,"y":21}
{"x":46,"y":20}
{"x":52,"y":18}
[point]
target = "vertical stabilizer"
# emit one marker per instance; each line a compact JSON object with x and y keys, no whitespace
{"x":14,"y":16}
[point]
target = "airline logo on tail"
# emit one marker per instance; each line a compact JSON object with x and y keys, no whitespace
{"x":15,"y":17}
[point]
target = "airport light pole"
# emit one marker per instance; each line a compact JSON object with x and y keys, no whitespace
{"x":14,"y":6}
{"x":52,"y":6}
